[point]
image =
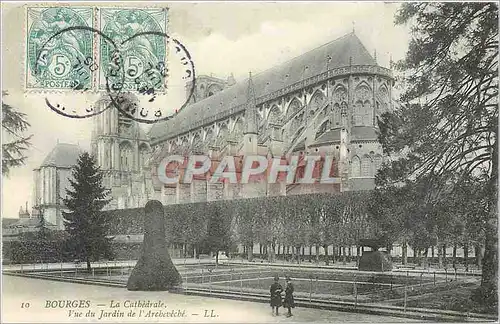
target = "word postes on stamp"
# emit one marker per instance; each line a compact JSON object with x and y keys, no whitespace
{"x":143,"y":54}
{"x":57,"y":57}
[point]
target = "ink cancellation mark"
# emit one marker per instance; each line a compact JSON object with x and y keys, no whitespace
{"x":149,"y":112}
{"x":52,"y":56}
{"x":144,"y":57}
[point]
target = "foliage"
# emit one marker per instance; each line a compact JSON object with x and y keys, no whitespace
{"x":219,"y":230}
{"x":85,"y":224}
{"x":14,"y":123}
{"x":31,"y":249}
{"x":446,"y":129}
{"x":300,"y":220}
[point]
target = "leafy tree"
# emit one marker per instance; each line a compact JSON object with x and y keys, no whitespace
{"x":447,"y":126}
{"x":86,"y":225}
{"x":219,"y":230}
{"x":246,"y":223}
{"x":14,"y":144}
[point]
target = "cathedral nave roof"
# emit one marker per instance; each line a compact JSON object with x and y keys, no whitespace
{"x":341,"y":52}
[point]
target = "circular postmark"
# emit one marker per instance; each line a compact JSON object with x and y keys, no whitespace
{"x":121,"y":63}
{"x":76,"y":67}
{"x":151,"y":76}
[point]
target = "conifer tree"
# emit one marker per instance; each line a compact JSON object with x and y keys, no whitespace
{"x":447,"y":126}
{"x":86,"y":225}
{"x":14,"y":144}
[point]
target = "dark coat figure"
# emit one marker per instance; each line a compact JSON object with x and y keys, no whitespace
{"x":276,"y":290}
{"x":288,"y":301}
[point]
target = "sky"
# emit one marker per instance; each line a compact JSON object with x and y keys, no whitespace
{"x":222,"y":38}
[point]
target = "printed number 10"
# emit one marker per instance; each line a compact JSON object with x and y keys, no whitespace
{"x":25,"y":305}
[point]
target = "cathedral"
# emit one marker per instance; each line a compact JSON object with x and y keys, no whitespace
{"x":323,"y":102}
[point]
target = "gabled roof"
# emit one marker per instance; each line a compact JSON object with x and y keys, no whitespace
{"x":62,"y":155}
{"x":344,"y":51}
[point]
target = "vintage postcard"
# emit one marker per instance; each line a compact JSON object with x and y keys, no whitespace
{"x":260,"y":162}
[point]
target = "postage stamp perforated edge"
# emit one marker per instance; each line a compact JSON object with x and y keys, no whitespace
{"x":96,"y":44}
{"x":26,"y":29}
{"x":163,"y":24}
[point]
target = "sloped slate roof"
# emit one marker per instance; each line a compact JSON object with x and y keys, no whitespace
{"x":300,"y":146}
{"x":332,"y":135}
{"x":342,"y":52}
{"x":363,"y":133}
{"x":62,"y":155}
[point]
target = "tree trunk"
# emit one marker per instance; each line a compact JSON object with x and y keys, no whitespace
{"x":194,"y":251}
{"x":440,"y":256}
{"x":317,"y":253}
{"x":343,"y":255}
{"x":89,"y":267}
{"x":216,"y":257}
{"x":489,"y":276}
{"x":271,"y":252}
{"x":466,"y":256}
{"x":478,"y":251}
{"x":334,"y":255}
{"x":426,"y":259}
{"x":454,"y":255}
{"x":325,"y":247}
{"x":250,"y":252}
{"x":405,"y":253}
{"x":445,"y":262}
{"x":297,"y":249}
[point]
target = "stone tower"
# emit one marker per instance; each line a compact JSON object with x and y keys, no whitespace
{"x":121,"y":149}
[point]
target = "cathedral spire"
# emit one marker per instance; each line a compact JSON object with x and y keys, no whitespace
{"x":251,"y":109}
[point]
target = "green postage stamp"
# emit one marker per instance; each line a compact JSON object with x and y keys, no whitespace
{"x":77,"y":48}
{"x":59,"y":51}
{"x":139,"y":35}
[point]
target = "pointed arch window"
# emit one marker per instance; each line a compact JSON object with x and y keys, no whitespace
{"x":293,"y":107}
{"x":274,"y":116}
{"x":322,"y":129}
{"x":143,"y":156}
{"x":126,"y":157}
{"x":377,"y":162}
{"x":355,"y":167}
{"x":366,"y":167}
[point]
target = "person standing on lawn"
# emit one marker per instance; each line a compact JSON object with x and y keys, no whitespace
{"x":276,"y":290}
{"x":288,"y":301}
